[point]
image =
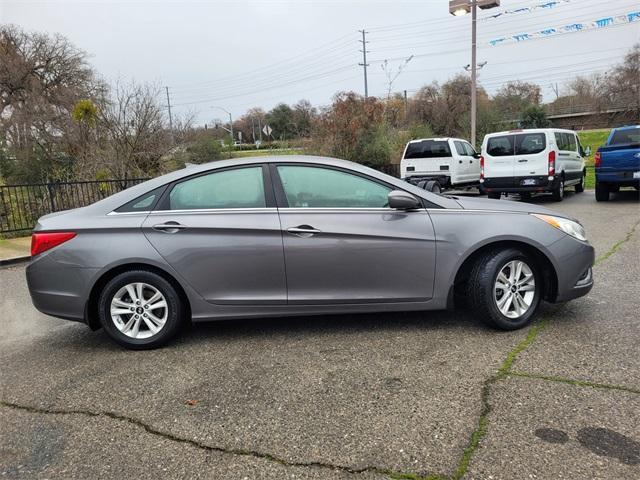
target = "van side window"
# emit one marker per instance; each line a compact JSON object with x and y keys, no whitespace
{"x":530,"y":143}
{"x":561,"y":140}
{"x":460,"y":148}
{"x":500,"y":146}
{"x":572,"y":142}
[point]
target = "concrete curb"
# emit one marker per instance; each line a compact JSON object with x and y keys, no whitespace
{"x":7,"y":262}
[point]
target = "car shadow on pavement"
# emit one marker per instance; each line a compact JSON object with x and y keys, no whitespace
{"x":627,"y":196}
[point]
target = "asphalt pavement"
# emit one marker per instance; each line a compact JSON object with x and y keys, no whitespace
{"x":405,"y":395}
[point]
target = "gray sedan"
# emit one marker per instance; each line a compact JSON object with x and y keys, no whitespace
{"x":297,"y":235}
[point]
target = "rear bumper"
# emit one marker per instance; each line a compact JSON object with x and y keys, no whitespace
{"x":540,"y":183}
{"x":59,"y":289}
{"x":575,"y":273}
{"x":617,"y":177}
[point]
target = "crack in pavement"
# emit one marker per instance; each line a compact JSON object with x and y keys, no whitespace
{"x":505,"y":370}
{"x":577,"y":383}
{"x":224,"y":450}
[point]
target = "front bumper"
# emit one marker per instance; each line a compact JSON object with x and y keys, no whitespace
{"x":574,"y":268}
{"x":533,"y":183}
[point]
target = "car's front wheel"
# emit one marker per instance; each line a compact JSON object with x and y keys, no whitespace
{"x":494,"y":195}
{"x":140,"y":309}
{"x":504,"y":288}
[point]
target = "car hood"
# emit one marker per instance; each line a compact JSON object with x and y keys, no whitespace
{"x":470,"y":203}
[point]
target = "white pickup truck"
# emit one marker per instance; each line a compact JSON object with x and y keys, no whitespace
{"x":436,"y":164}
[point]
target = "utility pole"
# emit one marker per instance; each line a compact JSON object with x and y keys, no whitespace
{"x":474,"y":71}
{"x":364,"y":63}
{"x":169,"y":107}
{"x":406,"y":104}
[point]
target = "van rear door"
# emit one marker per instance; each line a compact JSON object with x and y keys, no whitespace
{"x":499,"y":157}
{"x":531,"y":158}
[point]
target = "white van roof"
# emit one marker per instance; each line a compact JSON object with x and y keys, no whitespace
{"x":437,"y":139}
{"x":528,"y":130}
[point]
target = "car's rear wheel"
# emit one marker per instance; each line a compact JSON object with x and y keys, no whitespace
{"x":558,"y":192}
{"x":602,"y":192}
{"x":504,"y":288}
{"x":494,"y":195}
{"x":140,"y":309}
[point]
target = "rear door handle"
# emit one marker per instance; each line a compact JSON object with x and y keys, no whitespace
{"x":303,"y":231}
{"x":169,"y":227}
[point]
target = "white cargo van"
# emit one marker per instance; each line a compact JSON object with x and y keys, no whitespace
{"x":438,"y":163}
{"x":529,"y":161}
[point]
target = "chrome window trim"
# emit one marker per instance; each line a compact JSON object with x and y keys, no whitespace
{"x":462,"y":210}
{"x":203,"y":211}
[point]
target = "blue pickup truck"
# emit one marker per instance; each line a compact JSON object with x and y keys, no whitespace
{"x":618,"y":162}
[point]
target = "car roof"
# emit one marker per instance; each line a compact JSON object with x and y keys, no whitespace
{"x":117,"y":200}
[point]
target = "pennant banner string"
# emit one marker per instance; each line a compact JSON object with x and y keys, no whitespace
{"x":604,"y":22}
{"x":548,"y":5}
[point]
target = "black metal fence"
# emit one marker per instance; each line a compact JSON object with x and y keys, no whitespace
{"x":22,"y":205}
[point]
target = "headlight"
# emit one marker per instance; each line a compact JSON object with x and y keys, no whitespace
{"x":567,"y":226}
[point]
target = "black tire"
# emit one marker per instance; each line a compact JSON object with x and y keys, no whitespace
{"x":433,"y":186}
{"x":558,"y":192}
{"x":494,"y":195}
{"x":422,"y":184}
{"x":524,"y":196}
{"x":481,"y":289}
{"x":580,"y":185}
{"x":175,"y":310}
{"x":602,"y":192}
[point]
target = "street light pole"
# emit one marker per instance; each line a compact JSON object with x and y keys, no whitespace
{"x":474,"y":72}
{"x":230,"y":123}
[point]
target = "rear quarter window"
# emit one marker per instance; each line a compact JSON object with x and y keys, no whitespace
{"x":428,"y":149}
{"x":500,"y":146}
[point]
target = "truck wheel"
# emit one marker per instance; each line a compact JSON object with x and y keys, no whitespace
{"x":558,"y":192}
{"x":494,"y":195}
{"x":433,"y":186}
{"x":422,"y":184}
{"x":602,"y":192}
{"x":580,"y":185}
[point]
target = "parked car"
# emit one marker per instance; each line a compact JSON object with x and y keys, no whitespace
{"x":297,"y":235}
{"x":617,"y":163}
{"x":436,"y":164}
{"x":532,"y":161}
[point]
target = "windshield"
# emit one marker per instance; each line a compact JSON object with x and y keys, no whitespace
{"x":428,"y":149}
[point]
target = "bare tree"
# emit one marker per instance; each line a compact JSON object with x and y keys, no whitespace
{"x":133,"y":123}
{"x":42,"y":77}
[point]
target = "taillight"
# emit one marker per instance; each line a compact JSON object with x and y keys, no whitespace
{"x":552,"y":163}
{"x":43,"y":241}
{"x":597,"y":159}
{"x":481,"y":167}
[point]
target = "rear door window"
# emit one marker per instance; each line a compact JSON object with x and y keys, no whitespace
{"x":428,"y":149}
{"x":469,"y":149}
{"x":530,"y":143}
{"x":460,"y":148}
{"x":500,"y":146}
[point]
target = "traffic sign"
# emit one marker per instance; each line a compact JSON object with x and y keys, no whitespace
{"x":267,"y":130}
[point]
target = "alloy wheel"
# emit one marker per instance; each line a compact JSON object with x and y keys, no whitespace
{"x":514,"y":289}
{"x":139,"y":310}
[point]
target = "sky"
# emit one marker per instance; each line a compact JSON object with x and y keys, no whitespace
{"x":234,"y":55}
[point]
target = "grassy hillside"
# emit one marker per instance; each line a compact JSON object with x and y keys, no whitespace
{"x":593,"y":139}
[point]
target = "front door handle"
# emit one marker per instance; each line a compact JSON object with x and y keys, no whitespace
{"x":304,"y":231}
{"x":169,"y":227}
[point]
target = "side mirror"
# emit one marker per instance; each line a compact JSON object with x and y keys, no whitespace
{"x":402,"y":200}
{"x":587,"y":151}
{"x":477,"y":155}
